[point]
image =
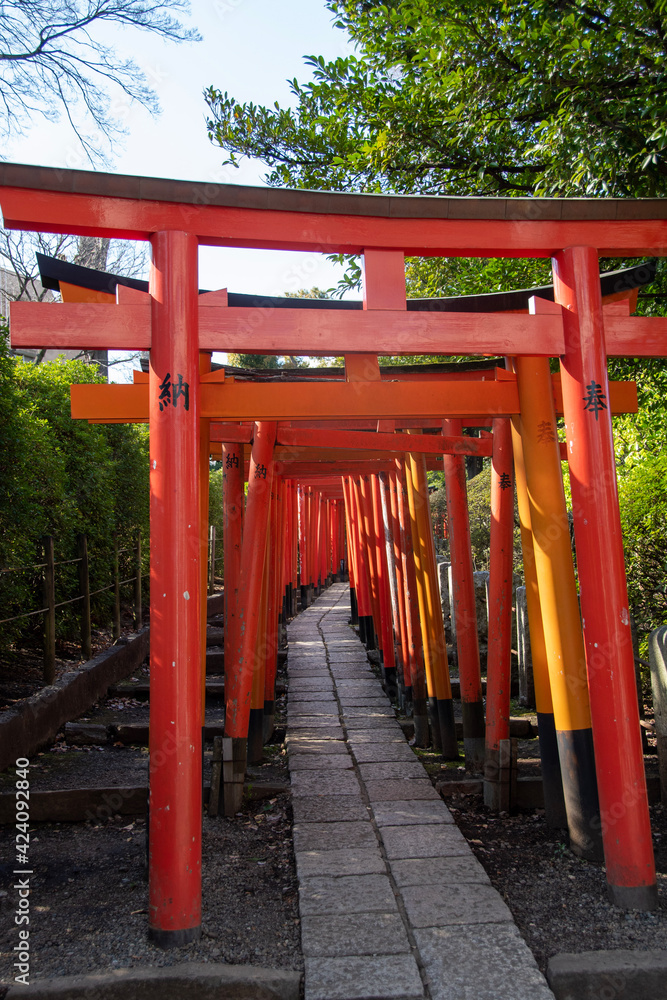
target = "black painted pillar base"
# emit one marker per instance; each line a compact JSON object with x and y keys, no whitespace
{"x":420,"y":717}
{"x":391,"y":683}
{"x":473,"y":735}
{"x":173,"y":939}
{"x":580,"y":789}
{"x":269,"y":720}
{"x":255,"y":735}
{"x":434,"y":723}
{"x":370,"y":632}
{"x":554,"y":801}
{"x":450,"y":747}
{"x":634,"y":897}
{"x":354,"y":610}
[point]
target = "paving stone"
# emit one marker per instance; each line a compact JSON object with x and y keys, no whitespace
{"x":310,"y":684}
{"x":350,"y":934}
{"x":401,"y":790}
{"x":348,"y":861}
{"x":504,"y":967}
{"x":312,"y":745}
{"x":311,"y":695}
{"x":322,"y":732}
{"x":322,"y":782}
{"x":410,"y":813}
{"x":371,"y":712}
{"x":346,"y":894}
{"x":330,"y":836}
{"x":320,"y":761}
{"x":420,"y":841}
{"x":367,"y":684}
{"x":315,"y":670}
{"x":443,"y":871}
{"x":363,"y":700}
{"x":324,"y":708}
{"x":348,"y":675}
{"x":381,"y":977}
{"x":366,"y":753}
{"x":337,"y":809}
{"x":376,"y":723}
{"x":297,"y":721}
{"x":408,"y":769}
{"x":354,"y":667}
{"x":440,"y":906}
{"x":382,"y":735}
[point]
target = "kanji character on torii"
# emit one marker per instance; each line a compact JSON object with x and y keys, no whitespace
{"x":175,"y":324}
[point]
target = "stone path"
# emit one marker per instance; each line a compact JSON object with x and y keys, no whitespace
{"x":394,"y":906}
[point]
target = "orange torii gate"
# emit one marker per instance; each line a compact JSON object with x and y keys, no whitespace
{"x":175,"y":324}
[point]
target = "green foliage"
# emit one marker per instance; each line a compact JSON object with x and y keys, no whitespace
{"x":643,"y":499}
{"x":479,"y":514}
{"x":254,"y":360}
{"x":60,"y":477}
{"x":471,"y":96}
{"x":215,"y":512}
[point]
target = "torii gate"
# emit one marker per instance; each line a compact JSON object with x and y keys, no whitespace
{"x":176,"y":217}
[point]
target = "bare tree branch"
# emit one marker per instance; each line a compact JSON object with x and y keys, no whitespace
{"x":54,"y":63}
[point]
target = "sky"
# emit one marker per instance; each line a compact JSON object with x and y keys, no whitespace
{"x":250,"y":49}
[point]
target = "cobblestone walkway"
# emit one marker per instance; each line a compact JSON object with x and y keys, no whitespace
{"x":394,"y":906}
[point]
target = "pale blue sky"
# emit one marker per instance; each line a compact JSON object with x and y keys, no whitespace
{"x":249,"y":48}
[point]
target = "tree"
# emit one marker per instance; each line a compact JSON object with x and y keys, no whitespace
{"x":472,"y":97}
{"x":54,"y":63}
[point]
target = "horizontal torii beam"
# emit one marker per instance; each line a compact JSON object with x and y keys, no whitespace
{"x":98,"y":204}
{"x":318,"y":332}
{"x":232,"y":400}
{"x":432,"y":444}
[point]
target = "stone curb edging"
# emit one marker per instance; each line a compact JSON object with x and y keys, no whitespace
{"x":609,"y":975}
{"x":35,"y":722}
{"x":194,"y":981}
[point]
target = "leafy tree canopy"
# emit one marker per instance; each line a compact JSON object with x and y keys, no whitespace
{"x":471,"y":97}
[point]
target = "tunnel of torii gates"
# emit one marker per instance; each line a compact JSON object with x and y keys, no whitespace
{"x":584,"y":666}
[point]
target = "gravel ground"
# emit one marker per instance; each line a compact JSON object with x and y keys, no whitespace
{"x":89,"y":896}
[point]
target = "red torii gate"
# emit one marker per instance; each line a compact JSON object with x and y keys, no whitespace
{"x":176,"y":217}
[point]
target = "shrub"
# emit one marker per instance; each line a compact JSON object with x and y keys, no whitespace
{"x":59,"y":477}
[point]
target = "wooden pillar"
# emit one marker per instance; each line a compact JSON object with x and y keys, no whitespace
{"x":441,"y":708}
{"x":552,"y":784}
{"x":558,"y":600}
{"x":463,"y":604}
{"x":255,"y":533}
{"x":233,"y":504}
{"x":175,"y":803}
{"x":626,"y":828}
{"x":384,"y":592}
{"x":498,"y":671}
{"x":418,"y":677}
{"x":405,"y":673}
{"x":369,"y":541}
{"x":204,"y":465}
